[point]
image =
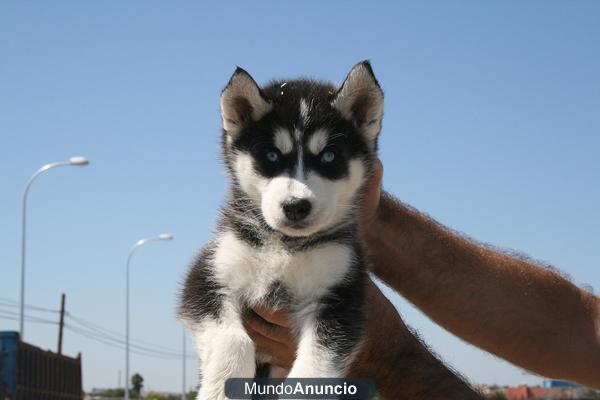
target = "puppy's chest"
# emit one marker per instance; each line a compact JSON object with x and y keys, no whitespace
{"x":270,"y":273}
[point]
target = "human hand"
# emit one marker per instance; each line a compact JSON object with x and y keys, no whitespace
{"x":271,"y":332}
{"x":371,"y":199}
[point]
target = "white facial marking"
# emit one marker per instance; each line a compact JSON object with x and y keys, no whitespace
{"x":297,"y":135}
{"x":304,"y":112}
{"x":300,"y":167}
{"x":251,"y":183}
{"x":343,"y":192}
{"x":318,"y":141}
{"x":283,"y":141}
{"x":331,"y":200}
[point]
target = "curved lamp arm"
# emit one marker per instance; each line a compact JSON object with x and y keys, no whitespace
{"x":139,"y":243}
{"x":75,"y":161}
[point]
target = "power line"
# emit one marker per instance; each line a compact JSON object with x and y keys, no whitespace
{"x":93,"y":331}
{"x":12,"y":303}
{"x":30,"y":319}
{"x":120,"y":342}
{"x":104,"y":340}
{"x":120,"y":345}
{"x":81,"y":321}
{"x":101,"y":329}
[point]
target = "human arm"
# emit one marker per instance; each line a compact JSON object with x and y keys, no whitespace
{"x":509,"y":306}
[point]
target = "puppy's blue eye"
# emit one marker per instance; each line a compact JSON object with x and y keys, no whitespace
{"x":272,"y":156}
{"x":327,"y":157}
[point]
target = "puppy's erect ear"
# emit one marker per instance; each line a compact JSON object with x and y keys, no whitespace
{"x":241,"y":102}
{"x":360,"y":99}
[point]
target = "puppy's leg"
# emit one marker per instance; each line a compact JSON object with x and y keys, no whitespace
{"x":225,"y":351}
{"x":331,"y":333}
{"x":318,"y":356}
{"x":313,"y":359}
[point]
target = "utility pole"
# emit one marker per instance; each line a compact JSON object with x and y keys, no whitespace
{"x":61,"y":324}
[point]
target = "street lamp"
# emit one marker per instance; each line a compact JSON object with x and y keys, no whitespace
{"x":74,"y":161}
{"x":183,"y":396}
{"x":139,"y":243}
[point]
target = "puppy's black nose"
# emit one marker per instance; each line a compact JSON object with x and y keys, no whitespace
{"x":297,"y":209}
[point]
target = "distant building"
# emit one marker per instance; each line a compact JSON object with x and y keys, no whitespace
{"x":542,"y":393}
{"x":555,"y":383}
{"x":28,"y":372}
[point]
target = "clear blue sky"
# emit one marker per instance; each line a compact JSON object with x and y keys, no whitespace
{"x":492,"y":126}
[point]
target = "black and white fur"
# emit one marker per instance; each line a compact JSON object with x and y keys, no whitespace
{"x":298,"y":153}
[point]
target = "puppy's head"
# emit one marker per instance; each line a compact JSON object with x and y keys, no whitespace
{"x":301,"y":150}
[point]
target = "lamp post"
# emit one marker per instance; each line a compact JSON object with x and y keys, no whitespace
{"x":183,"y":396}
{"x":139,"y":243}
{"x":73,"y":161}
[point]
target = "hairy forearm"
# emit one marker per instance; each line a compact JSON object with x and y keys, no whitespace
{"x":401,"y":366}
{"x":511,"y":307}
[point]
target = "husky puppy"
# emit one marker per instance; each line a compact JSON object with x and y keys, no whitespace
{"x":298,"y":153}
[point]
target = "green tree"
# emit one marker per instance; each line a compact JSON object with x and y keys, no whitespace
{"x":120,"y":393}
{"x":155,"y":396}
{"x":137,"y":383}
{"x":592,"y":394}
{"x":191,"y":395}
{"x":498,"y":395}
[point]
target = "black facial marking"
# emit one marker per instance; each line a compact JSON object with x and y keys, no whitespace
{"x":257,"y":138}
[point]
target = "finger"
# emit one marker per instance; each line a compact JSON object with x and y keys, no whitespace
{"x":278,"y":317}
{"x":372,"y":195}
{"x":281,"y":355}
{"x":378,"y":171}
{"x":374,"y":184}
{"x":274,"y":332}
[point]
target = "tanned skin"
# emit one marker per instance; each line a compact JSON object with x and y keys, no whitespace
{"x":512,"y":307}
{"x":509,"y":306}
